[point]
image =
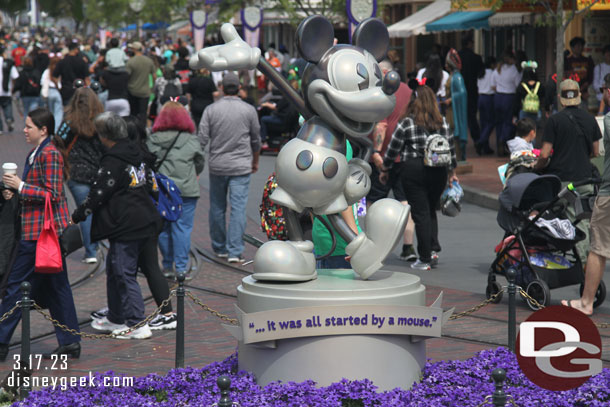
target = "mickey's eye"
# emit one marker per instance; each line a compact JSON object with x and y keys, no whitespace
{"x":378,"y":75}
{"x":364,"y":74}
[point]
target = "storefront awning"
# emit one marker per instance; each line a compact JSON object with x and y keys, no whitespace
{"x":460,"y":21}
{"x":510,"y":19}
{"x":415,"y":24}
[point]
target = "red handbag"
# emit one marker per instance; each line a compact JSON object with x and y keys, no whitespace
{"x":48,"y":252}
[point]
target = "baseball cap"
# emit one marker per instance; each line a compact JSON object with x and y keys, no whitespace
{"x":569,"y":93}
{"x":230,"y":79}
{"x":137,"y":45}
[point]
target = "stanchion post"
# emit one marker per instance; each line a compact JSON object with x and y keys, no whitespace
{"x":26,"y":303}
{"x":180,"y":328}
{"x":511,"y":275}
{"x":498,"y":399}
{"x":224,"y":384}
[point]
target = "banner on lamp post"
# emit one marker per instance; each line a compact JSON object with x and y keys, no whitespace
{"x":199,"y":20}
{"x":358,"y":11}
{"x":102,"y":33}
{"x":251,"y":19}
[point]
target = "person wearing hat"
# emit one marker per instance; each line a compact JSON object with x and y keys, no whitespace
{"x":139,"y":67}
{"x":573,"y":136}
{"x":230,"y":127}
{"x":600,"y":225}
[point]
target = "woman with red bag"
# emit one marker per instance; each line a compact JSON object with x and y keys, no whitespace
{"x":43,"y":175}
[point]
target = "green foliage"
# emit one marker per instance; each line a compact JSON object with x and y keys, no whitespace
{"x":13,"y":6}
{"x":298,"y":9}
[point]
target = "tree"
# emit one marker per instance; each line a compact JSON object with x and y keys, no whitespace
{"x":299,"y":9}
{"x":562,"y":20}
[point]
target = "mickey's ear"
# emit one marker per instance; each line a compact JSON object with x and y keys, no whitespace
{"x":373,"y":36}
{"x":315,"y":36}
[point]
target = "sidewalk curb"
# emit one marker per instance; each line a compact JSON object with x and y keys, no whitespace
{"x":481,"y":198}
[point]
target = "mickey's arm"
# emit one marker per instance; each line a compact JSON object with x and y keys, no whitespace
{"x":236,"y":54}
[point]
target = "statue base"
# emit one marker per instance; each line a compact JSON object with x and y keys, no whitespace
{"x":390,"y":360}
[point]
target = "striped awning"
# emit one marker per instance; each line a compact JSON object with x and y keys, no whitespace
{"x":511,"y":19}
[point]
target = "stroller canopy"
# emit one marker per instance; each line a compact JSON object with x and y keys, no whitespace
{"x":527,"y":189}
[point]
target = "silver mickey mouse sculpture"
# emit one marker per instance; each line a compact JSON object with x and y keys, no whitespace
{"x":345,"y":95}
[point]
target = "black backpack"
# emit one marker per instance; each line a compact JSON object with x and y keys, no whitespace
{"x":30,"y":83}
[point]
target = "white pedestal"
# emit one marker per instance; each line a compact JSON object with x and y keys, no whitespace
{"x":388,"y":360}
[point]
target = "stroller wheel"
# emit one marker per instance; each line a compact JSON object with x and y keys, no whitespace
{"x":540,"y":291}
{"x":600,"y":294}
{"x":492,"y":289}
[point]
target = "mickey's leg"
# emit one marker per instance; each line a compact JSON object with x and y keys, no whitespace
{"x":291,"y":260}
{"x":384,"y":223}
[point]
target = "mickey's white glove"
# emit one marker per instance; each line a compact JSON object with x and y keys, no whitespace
{"x":233,"y":55}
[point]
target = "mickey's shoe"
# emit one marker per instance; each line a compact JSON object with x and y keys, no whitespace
{"x":285,"y":261}
{"x":385,"y":222}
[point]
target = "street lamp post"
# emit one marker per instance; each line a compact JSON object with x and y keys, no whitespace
{"x":137,"y":6}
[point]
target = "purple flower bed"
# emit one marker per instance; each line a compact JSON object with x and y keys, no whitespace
{"x":451,"y":383}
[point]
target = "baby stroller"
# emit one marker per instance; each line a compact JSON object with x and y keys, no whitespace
{"x":542,"y":257}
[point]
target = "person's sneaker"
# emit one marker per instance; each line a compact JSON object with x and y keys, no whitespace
{"x":420,"y":265}
{"x":100,"y":313}
{"x":434,"y":259}
{"x":161,"y":322}
{"x":90,"y":260}
{"x":408,"y":254}
{"x":237,"y":259}
{"x":222,"y":255}
{"x":169,"y":273}
{"x":142,"y":332}
{"x":103,"y":324}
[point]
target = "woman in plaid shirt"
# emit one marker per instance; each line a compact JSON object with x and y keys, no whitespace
{"x":43,"y":174}
{"x":422,"y":185}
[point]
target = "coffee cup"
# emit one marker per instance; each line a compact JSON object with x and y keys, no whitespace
{"x":9,"y":168}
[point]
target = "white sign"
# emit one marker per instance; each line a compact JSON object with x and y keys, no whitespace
{"x":361,"y":9}
{"x":252,"y":16}
{"x":199,"y":18}
{"x":341,"y":320}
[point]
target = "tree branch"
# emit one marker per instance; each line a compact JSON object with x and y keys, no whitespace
{"x":547,"y":6}
{"x":584,"y":10}
{"x":306,"y":11}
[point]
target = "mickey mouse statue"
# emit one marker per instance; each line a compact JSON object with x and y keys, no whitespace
{"x":345,"y":95}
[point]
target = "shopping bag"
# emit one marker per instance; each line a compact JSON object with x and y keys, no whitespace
{"x":48,"y":252}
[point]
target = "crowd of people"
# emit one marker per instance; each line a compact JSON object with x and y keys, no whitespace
{"x":106,"y":121}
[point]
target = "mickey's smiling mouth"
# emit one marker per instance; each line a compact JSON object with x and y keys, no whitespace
{"x":353,"y":113}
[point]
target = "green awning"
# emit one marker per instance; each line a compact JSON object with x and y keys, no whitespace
{"x":461,"y":21}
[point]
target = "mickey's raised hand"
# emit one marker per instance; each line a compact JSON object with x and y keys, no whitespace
{"x":234,"y":54}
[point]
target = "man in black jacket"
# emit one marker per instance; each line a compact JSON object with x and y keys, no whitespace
{"x":123,"y":213}
{"x":472,"y":64}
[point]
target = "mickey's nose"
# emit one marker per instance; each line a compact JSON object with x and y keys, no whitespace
{"x":391,"y":82}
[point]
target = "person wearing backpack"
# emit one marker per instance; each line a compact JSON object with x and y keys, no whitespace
{"x":425,"y":144}
{"x":530,"y":94}
{"x":173,"y":140}
{"x":28,"y":84}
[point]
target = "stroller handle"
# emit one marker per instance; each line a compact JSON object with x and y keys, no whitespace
{"x":586,"y":181}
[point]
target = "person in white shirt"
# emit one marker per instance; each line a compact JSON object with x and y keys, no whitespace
{"x":50,"y":90}
{"x":487,"y":115}
{"x":504,"y":81}
{"x":599,"y":73}
{"x":8,"y":74}
{"x":433,"y":70}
